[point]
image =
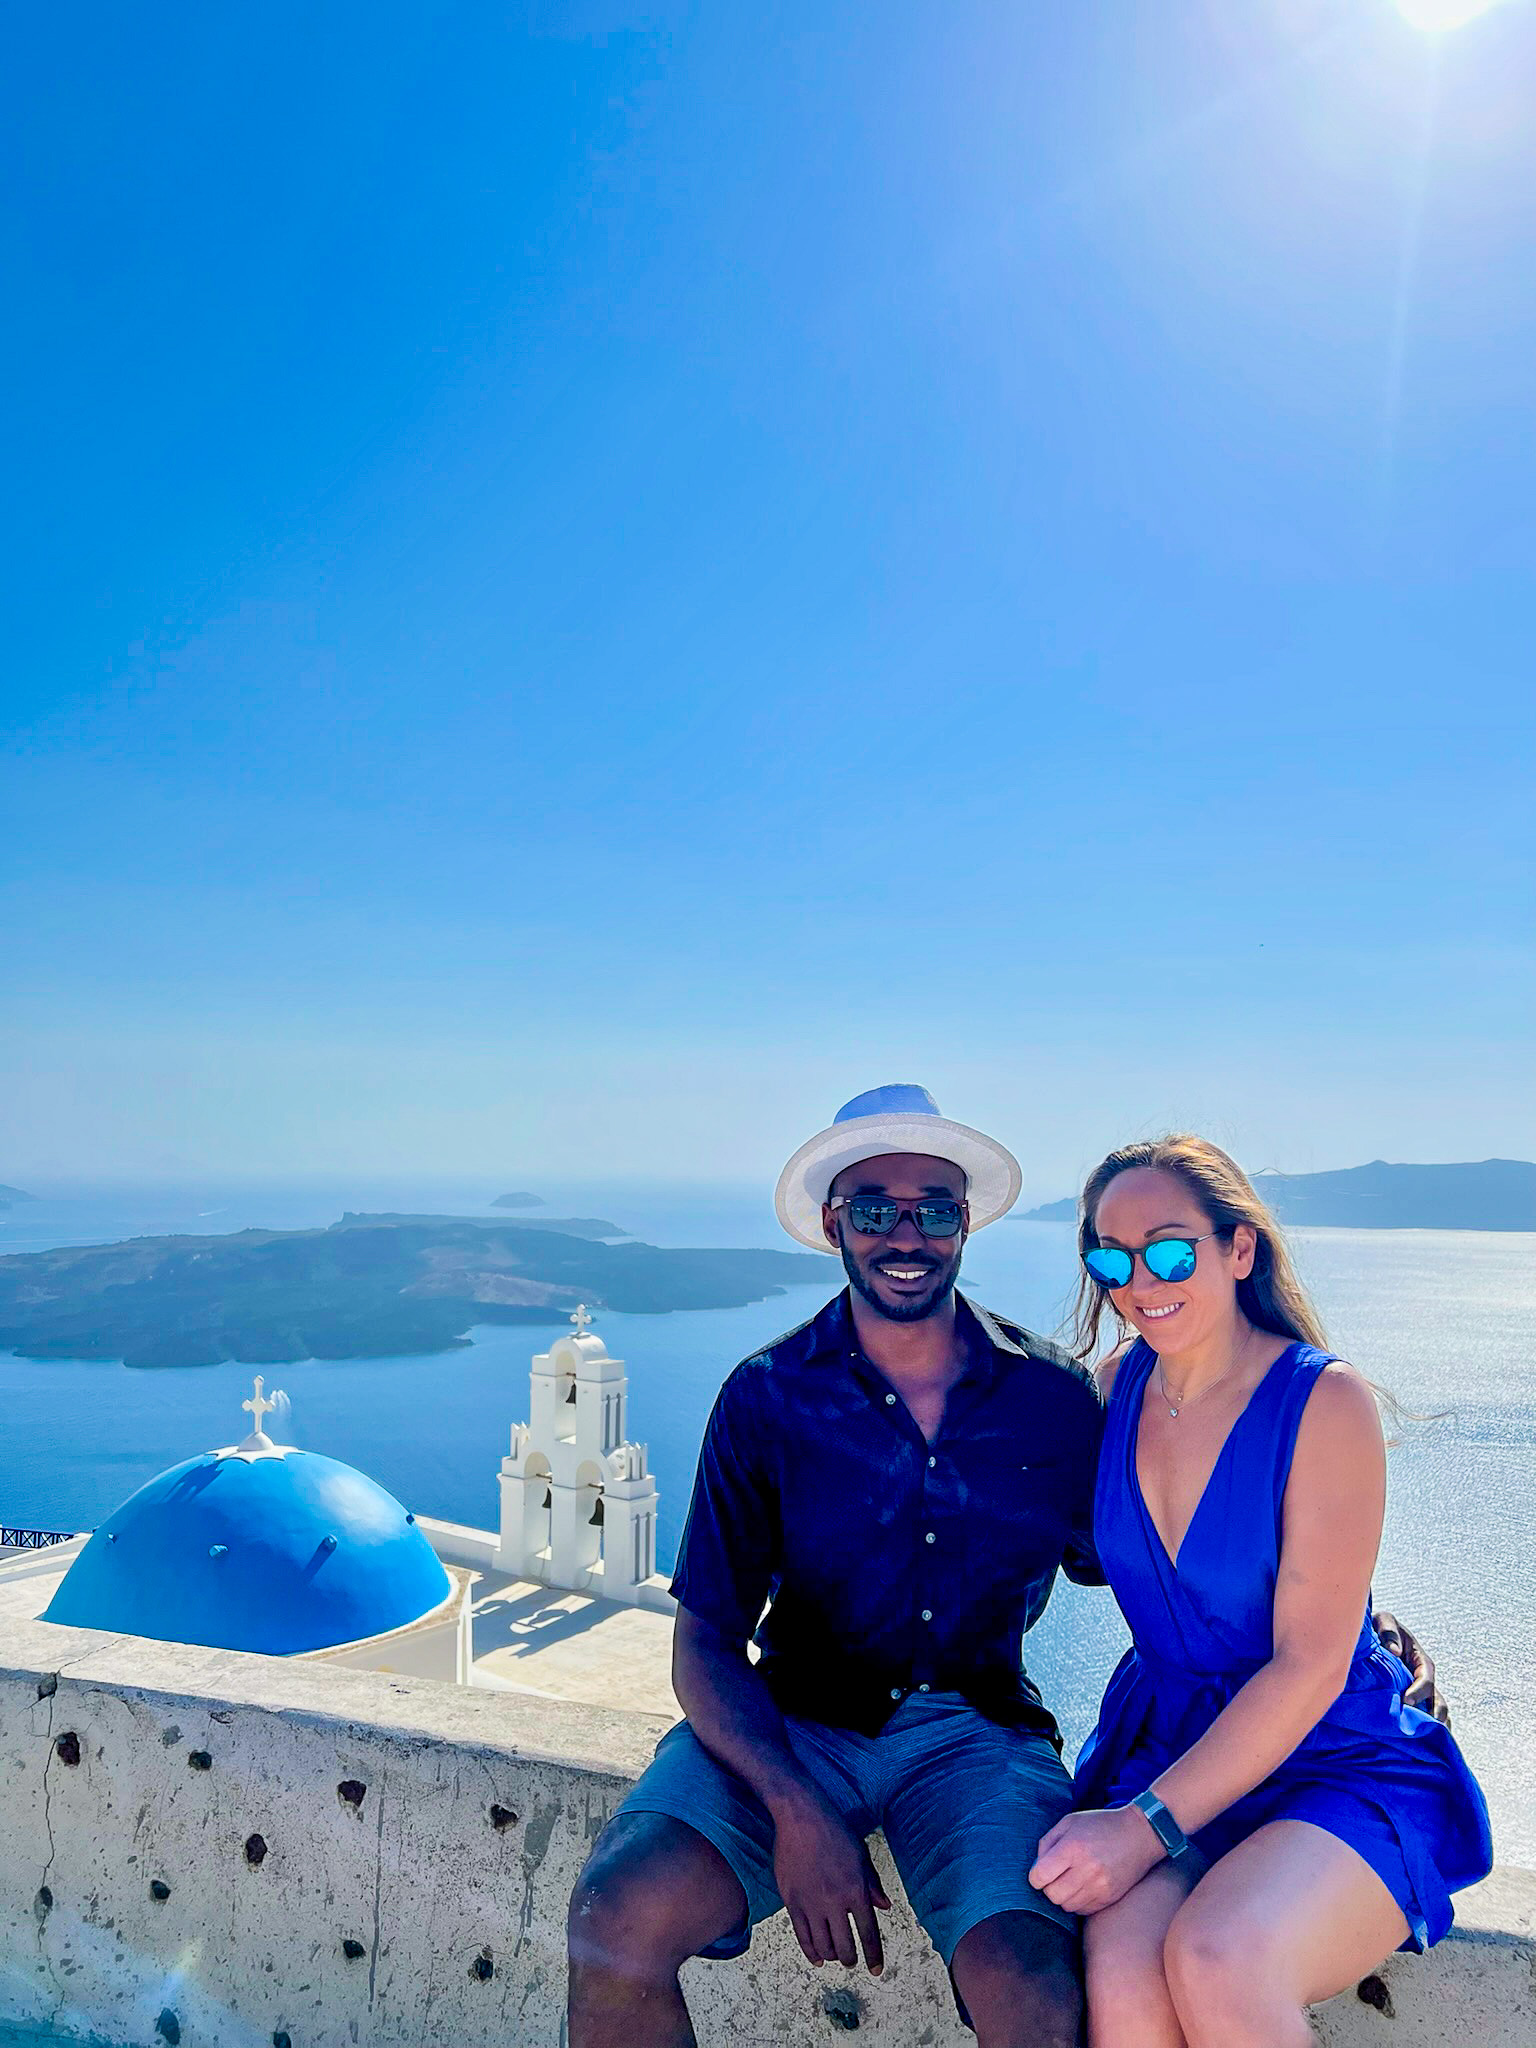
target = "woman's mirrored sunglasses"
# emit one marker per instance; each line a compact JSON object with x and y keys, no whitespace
{"x":872,"y":1217}
{"x":1166,"y":1258}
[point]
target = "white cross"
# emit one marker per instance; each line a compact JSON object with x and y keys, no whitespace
{"x":581,"y":1319}
{"x":258,"y":1408}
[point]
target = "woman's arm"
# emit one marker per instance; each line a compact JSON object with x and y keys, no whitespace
{"x":1334,"y":1505}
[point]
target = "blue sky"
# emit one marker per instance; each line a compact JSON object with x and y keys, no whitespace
{"x":586,"y":581}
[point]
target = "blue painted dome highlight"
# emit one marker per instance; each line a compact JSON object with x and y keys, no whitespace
{"x":275,"y":1554}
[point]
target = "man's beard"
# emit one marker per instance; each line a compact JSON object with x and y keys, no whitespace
{"x":911,"y":1309}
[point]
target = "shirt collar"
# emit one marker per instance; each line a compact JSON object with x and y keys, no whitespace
{"x":833,"y":1336}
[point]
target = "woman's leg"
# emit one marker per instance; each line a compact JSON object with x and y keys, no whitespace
{"x":1287,"y":1918}
{"x":1128,"y":2001}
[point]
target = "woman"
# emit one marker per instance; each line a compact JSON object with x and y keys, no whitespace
{"x":1269,"y":1820}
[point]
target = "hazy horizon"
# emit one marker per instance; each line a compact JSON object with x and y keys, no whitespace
{"x":558,"y":1191}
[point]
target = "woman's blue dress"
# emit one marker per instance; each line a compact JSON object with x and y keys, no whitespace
{"x":1385,"y":1778}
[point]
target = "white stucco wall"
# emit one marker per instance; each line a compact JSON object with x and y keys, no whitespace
{"x":232,"y":1851}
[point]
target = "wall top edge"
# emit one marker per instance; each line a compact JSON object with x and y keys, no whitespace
{"x":603,"y":1741}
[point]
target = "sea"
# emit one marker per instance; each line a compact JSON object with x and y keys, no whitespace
{"x":1444,"y":1319}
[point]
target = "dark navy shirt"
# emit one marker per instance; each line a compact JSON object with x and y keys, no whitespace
{"x":888,"y":1564}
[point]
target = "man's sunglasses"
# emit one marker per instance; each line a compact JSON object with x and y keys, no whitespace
{"x":872,"y":1217}
{"x":1166,"y":1258}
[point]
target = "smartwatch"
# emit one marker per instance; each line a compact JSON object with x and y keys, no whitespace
{"x":1163,"y":1824}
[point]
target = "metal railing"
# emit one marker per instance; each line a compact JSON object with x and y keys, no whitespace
{"x":33,"y":1539}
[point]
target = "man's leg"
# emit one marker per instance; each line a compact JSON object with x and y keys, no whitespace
{"x":1019,"y":1978}
{"x":653,"y":1893}
{"x":966,"y":1804}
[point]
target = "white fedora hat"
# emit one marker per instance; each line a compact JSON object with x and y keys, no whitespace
{"x":897,"y":1118}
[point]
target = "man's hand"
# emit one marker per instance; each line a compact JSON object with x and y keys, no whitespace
{"x":825,"y":1878}
{"x":1089,"y":1860}
{"x":1423,"y":1693}
{"x":822,"y":1867}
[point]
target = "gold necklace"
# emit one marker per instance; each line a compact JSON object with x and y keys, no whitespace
{"x":1183,"y":1400}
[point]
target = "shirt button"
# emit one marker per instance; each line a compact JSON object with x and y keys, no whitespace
{"x":931,"y":1463}
{"x":895,"y":1692}
{"x":922,"y":1688}
{"x":890,"y":1400}
{"x":930,"y":1537}
{"x":927,"y":1614}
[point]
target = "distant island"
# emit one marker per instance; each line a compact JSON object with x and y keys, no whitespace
{"x":569,"y":1226}
{"x":518,"y":1202}
{"x":9,"y":1197}
{"x":367,"y":1287}
{"x":1487,"y":1194}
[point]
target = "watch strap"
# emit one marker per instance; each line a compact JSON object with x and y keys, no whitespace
{"x":1162,"y":1823}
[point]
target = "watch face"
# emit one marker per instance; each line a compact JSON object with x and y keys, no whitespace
{"x":1164,"y":1826}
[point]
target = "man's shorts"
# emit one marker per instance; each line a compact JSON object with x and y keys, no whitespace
{"x":961,"y":1801}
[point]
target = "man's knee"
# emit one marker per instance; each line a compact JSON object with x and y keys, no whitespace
{"x":1020,"y":1978}
{"x":653,"y":1893}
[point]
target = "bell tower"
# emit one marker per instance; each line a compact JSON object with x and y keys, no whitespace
{"x":578,"y":1503}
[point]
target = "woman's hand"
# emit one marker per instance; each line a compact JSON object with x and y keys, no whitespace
{"x":1089,"y":1860}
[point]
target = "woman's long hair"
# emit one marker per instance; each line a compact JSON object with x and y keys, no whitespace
{"x":1271,"y":1297}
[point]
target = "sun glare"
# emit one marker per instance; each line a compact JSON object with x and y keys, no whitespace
{"x":1436,"y":16}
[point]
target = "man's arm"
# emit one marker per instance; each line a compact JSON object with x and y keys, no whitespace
{"x":1081,"y":1559}
{"x":727,"y":1564}
{"x":821,"y":1866}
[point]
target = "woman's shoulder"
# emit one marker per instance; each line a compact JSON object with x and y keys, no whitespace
{"x":1338,"y":1387}
{"x":1335,"y":1472}
{"x":1108,"y":1367}
{"x":1328,"y":1381}
{"x":1311,"y":1382}
{"x":1341,"y":1413}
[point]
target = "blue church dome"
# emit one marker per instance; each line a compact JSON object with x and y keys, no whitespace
{"x":255,"y":1548}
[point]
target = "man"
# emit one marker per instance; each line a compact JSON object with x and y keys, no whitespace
{"x":903,"y":1476}
{"x":898,"y":1482}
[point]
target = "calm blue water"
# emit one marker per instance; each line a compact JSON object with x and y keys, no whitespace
{"x":1446,"y":1319}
